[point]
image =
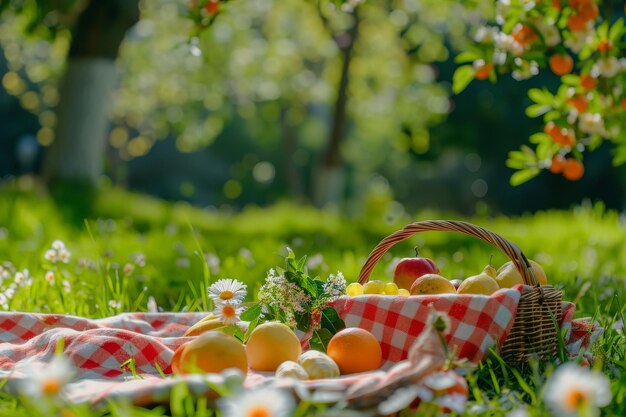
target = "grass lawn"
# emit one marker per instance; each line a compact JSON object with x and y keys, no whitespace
{"x":132,"y":249}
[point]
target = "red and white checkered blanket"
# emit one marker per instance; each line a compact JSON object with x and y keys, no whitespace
{"x":99,"y":348}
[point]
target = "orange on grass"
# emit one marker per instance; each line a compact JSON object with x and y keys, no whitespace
{"x":354,"y":350}
{"x":587,"y":82}
{"x":271,"y":344}
{"x":482,"y":73}
{"x":573,"y":169}
{"x":561,"y":64}
{"x":212,"y":351}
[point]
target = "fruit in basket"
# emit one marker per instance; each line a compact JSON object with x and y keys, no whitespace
{"x":291,"y":369}
{"x":318,"y":365}
{"x":456,"y":283}
{"x":391,"y":288}
{"x":271,"y":344}
{"x":354,"y":289}
{"x":403,"y":293}
{"x":432,"y":284}
{"x":373,"y":287}
{"x":355,"y":350}
{"x":212,"y":351}
{"x":508,"y":275}
{"x":410,"y":269}
{"x":483,"y":283}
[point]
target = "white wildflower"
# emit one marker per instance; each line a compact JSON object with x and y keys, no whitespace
{"x":115,"y":304}
{"x":578,"y":39}
{"x":45,"y":379}
{"x":140,"y":260}
{"x":227,"y":289}
{"x":128,"y":269}
{"x":152,"y":305}
{"x":67,"y":287}
{"x":64,"y":255}
{"x":525,"y":69}
{"x":402,"y":398}
{"x":228,"y":311}
{"x":58,"y":245}
{"x":606,"y":67}
{"x":591,"y":123}
{"x":50,"y":277}
{"x":266,"y":402}
{"x":51,"y":255}
{"x":574,"y":390}
{"x":486,"y":34}
{"x":335,"y":286}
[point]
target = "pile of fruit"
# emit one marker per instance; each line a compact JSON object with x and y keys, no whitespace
{"x":274,"y":347}
{"x":418,"y":275}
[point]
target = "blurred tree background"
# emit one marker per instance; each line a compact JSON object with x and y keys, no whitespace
{"x":276,"y":99}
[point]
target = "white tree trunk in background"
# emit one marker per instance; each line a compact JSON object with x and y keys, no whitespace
{"x":328,"y":185}
{"x":82,"y":120}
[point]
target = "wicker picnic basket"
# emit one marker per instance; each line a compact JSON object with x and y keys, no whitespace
{"x":534,"y":331}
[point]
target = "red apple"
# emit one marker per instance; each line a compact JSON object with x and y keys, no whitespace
{"x":410,"y":269}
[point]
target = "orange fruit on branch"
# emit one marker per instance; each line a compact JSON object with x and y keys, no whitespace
{"x":573,"y":169}
{"x":482,"y":73}
{"x":556,"y":167}
{"x":561,"y":64}
{"x":587,"y":82}
{"x":355,"y":350}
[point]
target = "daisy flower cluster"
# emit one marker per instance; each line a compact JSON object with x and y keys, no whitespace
{"x":280,"y":295}
{"x":227,"y":296}
{"x":57,"y":253}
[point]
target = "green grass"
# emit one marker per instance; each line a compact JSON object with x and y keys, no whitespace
{"x":168,"y":246}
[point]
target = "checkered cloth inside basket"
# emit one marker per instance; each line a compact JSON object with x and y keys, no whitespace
{"x":477,"y":322}
{"x":98,"y":348}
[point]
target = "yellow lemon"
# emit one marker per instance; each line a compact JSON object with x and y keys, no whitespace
{"x":403,"y":292}
{"x":508,"y":275}
{"x":391,"y":288}
{"x":271,"y":344}
{"x":373,"y":287}
{"x":354,"y":289}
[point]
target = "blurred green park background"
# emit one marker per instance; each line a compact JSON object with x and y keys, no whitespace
{"x":274,"y":100}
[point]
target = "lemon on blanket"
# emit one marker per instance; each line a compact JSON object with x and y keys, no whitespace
{"x":271,"y":344}
{"x":212,"y":352}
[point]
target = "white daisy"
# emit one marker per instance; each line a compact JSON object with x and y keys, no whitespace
{"x":50,"y":277}
{"x":228,"y":312}
{"x":152,"y":305}
{"x":227,"y":289}
{"x":58,"y":245}
{"x":573,"y":390}
{"x":64,"y":255}
{"x":128,"y":269}
{"x":266,"y":402}
{"x":51,"y":255}
{"x":46,"y":379}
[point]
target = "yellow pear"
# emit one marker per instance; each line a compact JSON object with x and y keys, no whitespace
{"x":482,"y":283}
{"x":508,"y":275}
{"x":490,"y":270}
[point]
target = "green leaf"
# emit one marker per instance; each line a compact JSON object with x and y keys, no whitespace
{"x":524,"y":175}
{"x":540,"y":96}
{"x":320,"y":339}
{"x":303,"y":321}
{"x":620,"y":156}
{"x":570,"y":79}
{"x":536,"y":110}
{"x":253,"y":324}
{"x":462,"y":77}
{"x":616,"y":30}
{"x":252,"y":313}
{"x":309,"y":286}
{"x":540,"y":137}
{"x":331,"y":320}
{"x":466,"y":56}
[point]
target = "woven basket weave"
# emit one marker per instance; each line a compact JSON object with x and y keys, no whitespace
{"x":534,"y":331}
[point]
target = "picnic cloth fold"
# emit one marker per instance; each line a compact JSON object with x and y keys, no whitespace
{"x":98,"y":349}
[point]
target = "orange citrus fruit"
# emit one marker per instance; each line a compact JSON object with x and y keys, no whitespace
{"x":573,"y":169}
{"x":561,"y":64}
{"x":355,"y":350}
{"x":483,"y":72}
{"x":212,"y":351}
{"x":587,"y":82}
{"x":271,"y":344}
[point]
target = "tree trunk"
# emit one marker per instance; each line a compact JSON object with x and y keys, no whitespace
{"x":77,"y":152}
{"x":292,"y":174}
{"x":329,"y":178}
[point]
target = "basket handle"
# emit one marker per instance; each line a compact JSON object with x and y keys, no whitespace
{"x":509,"y":248}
